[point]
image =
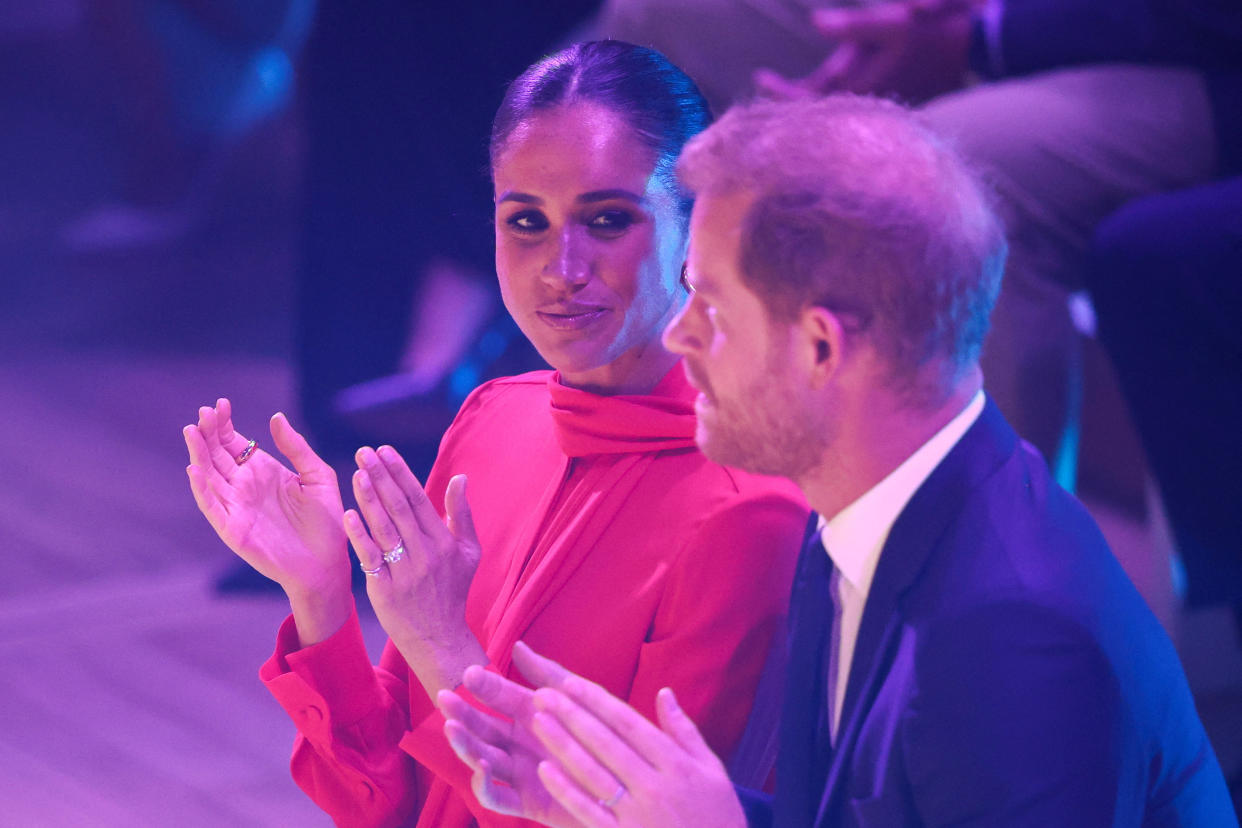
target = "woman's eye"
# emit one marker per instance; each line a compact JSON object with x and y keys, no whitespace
{"x":527,"y":221}
{"x":611,"y":221}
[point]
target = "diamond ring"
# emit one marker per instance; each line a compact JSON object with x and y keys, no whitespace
{"x":395,"y":554}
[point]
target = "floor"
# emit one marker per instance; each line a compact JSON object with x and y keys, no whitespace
{"x":128,"y":688}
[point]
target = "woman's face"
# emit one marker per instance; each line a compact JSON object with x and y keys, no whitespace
{"x":589,"y":247}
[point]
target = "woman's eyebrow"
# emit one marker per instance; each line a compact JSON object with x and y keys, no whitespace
{"x":608,"y":195}
{"x":523,"y":198}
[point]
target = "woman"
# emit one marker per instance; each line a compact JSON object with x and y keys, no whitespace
{"x":600,"y":534}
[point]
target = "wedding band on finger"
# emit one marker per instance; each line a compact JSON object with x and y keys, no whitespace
{"x":611,"y":802}
{"x":395,"y":554}
{"x":246,"y":452}
{"x":374,"y":573}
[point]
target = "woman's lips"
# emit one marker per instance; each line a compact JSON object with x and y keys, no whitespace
{"x":571,"y":320}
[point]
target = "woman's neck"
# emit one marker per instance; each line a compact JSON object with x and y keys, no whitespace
{"x":636,"y":372}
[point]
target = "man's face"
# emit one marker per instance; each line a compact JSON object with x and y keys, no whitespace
{"x":754,"y":409}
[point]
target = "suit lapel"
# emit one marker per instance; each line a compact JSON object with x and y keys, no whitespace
{"x":912,"y":541}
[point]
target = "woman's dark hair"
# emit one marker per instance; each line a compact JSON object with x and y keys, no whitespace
{"x":658,"y":100}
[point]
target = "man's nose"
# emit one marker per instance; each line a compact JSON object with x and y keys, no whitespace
{"x":679,"y":336}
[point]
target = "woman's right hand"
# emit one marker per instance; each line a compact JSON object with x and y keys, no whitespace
{"x":286,"y":524}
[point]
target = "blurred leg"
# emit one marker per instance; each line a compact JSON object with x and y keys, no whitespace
{"x":399,"y":101}
{"x":157,"y":161}
{"x":1063,"y":150}
{"x":1166,"y":278}
{"x":720,"y":43}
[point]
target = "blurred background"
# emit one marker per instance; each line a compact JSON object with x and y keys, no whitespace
{"x":284,"y":202}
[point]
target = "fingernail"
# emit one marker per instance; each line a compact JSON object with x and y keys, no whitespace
{"x":546,"y":699}
{"x":387,"y":453}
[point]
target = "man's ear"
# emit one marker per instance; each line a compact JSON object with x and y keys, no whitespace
{"x":823,"y":343}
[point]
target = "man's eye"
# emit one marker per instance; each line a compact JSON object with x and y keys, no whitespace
{"x":527,"y":221}
{"x":611,"y":221}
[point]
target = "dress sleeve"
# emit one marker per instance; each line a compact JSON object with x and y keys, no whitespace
{"x":350,"y":718}
{"x":725,"y":599}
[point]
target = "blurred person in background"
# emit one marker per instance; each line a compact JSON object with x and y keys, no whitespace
{"x":1165,"y":280}
{"x":186,"y":81}
{"x":1071,"y":107}
{"x":397,"y":314}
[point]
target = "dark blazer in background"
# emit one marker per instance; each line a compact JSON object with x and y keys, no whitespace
{"x":1006,"y":672}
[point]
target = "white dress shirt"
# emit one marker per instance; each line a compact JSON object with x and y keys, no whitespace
{"x":855,"y":537}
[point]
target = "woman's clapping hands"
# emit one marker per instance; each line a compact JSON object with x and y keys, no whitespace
{"x":419,"y":567}
{"x":291,"y":526}
{"x":287,"y":524}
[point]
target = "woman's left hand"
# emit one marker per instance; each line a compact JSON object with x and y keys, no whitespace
{"x":424,"y":567}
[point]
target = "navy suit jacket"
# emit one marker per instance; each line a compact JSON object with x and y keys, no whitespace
{"x":1006,"y":672}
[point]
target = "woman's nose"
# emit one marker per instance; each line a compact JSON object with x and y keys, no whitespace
{"x":569,"y":265}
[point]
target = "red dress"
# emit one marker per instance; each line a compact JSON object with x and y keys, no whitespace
{"x":609,"y":543}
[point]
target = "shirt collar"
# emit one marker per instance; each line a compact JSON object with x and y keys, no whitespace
{"x":856,"y":535}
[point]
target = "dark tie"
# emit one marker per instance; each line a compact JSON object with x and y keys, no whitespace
{"x":806,"y":745}
{"x":832,"y":650}
{"x":827,"y":575}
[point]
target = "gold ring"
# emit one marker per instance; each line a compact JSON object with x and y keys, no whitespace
{"x":611,"y":802}
{"x":246,"y":452}
{"x":374,"y":573}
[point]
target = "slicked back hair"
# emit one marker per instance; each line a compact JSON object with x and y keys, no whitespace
{"x":659,"y":101}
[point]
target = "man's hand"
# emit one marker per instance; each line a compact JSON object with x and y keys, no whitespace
{"x":605,"y":764}
{"x":501,"y":750}
{"x":913,"y":49}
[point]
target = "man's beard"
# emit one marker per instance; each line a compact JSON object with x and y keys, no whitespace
{"x":769,"y":429}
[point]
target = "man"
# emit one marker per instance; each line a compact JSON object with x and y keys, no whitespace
{"x":967,"y":650}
